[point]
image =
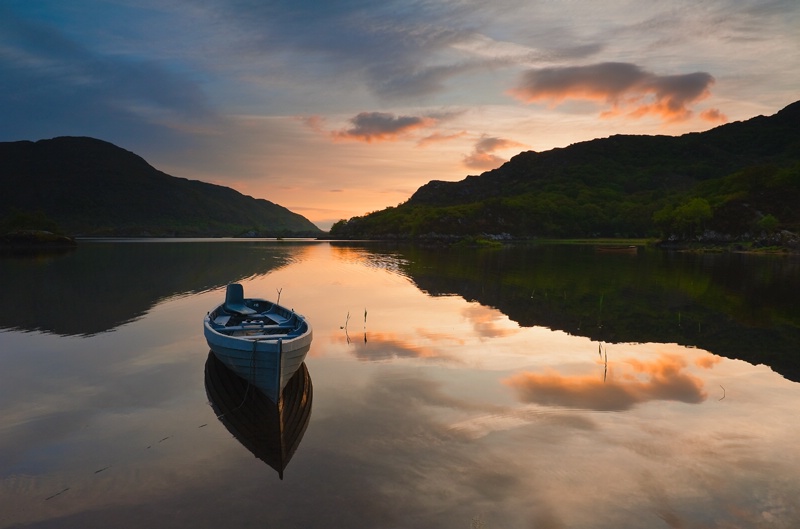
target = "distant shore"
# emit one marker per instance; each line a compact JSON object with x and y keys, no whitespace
{"x":36,"y":239}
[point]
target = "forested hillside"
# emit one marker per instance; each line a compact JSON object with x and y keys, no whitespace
{"x":90,"y":187}
{"x":737,"y":181}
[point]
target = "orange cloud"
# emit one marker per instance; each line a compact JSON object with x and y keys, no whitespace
{"x":708,"y":361}
{"x":383,"y":126}
{"x":387,"y":346}
{"x":663,"y":379}
{"x":315,"y":123}
{"x":436,"y":336}
{"x":483,"y":161}
{"x":486,"y":322}
{"x":630,"y":90}
{"x":714,"y":116}
{"x":482,"y":156}
{"x":439,"y":138}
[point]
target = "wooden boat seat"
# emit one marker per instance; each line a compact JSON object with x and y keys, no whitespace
{"x":277,"y":318}
{"x":234,"y":300}
{"x":285,"y":334}
{"x":222,"y":320}
{"x":256,"y":328}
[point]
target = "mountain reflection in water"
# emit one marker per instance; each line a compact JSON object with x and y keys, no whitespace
{"x":735,"y":305}
{"x":271,"y":431}
{"x":102,"y":285}
{"x":536,"y":386}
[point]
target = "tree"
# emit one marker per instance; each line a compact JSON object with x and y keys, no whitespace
{"x":768,"y":224}
{"x":24,"y":220}
{"x":664,"y":219}
{"x":690,"y":217}
{"x":339,"y":228}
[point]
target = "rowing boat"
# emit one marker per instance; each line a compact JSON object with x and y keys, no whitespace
{"x":259,"y":340}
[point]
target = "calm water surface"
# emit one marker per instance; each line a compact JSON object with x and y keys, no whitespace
{"x":542,"y":387}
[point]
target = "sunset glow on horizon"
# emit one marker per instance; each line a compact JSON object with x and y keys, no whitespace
{"x":336,"y":110}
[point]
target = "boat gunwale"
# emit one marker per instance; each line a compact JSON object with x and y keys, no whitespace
{"x":299,"y":332}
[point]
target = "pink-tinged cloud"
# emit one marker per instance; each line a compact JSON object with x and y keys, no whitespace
{"x":713,"y":115}
{"x":629,"y":90}
{"x":440,"y":138}
{"x":708,"y":361}
{"x":379,"y":347}
{"x":483,"y":158}
{"x":383,"y":126}
{"x":315,"y":123}
{"x":483,"y":161}
{"x":488,"y":323}
{"x":640,"y":382}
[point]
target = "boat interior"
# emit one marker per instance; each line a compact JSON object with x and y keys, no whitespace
{"x":253,"y":317}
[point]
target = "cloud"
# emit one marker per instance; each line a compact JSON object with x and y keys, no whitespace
{"x":379,"y":347}
{"x":626,"y":87}
{"x":483,"y":161}
{"x":438,"y":137}
{"x":714,"y":116}
{"x":408,"y":80}
{"x":640,"y":382}
{"x":315,"y":123}
{"x":708,"y":361}
{"x":52,"y":85}
{"x":383,"y":126}
{"x":488,"y":323}
{"x":483,"y":157}
{"x":393,"y":50}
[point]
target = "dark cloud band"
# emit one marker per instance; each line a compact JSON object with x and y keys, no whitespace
{"x":626,"y":87}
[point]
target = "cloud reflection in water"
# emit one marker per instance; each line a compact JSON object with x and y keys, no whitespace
{"x":630,"y":383}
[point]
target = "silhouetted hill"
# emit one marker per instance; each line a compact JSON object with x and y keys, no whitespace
{"x":92,"y":187}
{"x":741,"y":173}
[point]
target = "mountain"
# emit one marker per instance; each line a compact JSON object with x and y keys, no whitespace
{"x":91,"y":187}
{"x":734,"y":180}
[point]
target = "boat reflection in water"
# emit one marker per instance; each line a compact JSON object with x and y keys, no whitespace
{"x":271,"y":431}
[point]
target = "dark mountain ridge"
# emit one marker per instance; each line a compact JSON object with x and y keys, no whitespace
{"x":615,"y":186}
{"x":93,"y":188}
{"x":666,"y":161}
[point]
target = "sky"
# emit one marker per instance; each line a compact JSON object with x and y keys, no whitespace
{"x":336,"y":109}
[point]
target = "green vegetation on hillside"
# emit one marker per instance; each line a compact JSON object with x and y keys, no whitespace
{"x":735,"y":182}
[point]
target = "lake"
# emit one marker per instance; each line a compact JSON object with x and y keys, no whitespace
{"x":544,"y":386}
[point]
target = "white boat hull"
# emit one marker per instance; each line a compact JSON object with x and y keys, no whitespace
{"x":263,"y":356}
